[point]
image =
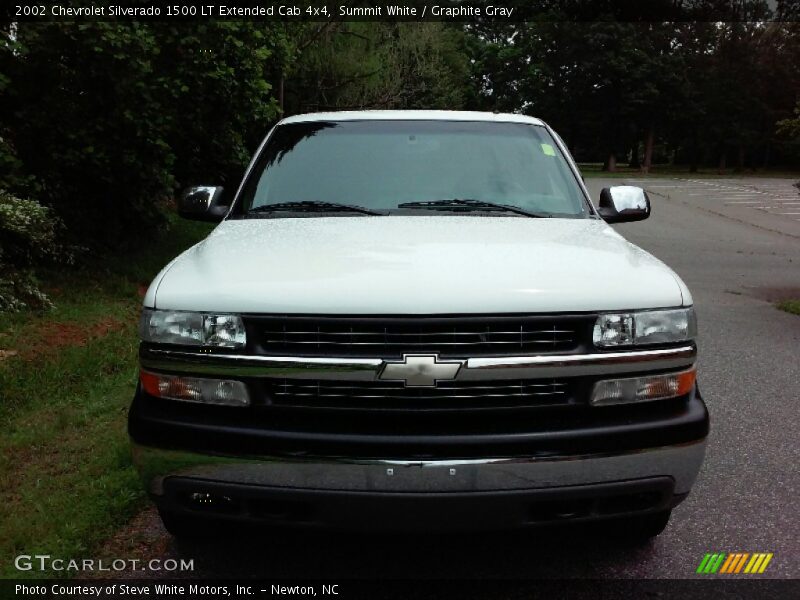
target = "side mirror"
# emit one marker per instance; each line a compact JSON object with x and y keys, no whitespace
{"x":201,"y":203}
{"x":623,"y":204}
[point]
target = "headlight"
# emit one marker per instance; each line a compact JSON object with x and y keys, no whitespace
{"x":645,"y":327}
{"x":192,"y":329}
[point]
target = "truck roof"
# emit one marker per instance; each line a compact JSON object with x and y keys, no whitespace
{"x":412,"y":115}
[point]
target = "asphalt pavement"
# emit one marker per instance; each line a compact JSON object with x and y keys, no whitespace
{"x":736,"y":259}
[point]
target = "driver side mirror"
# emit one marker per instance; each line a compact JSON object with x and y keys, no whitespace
{"x":202,"y":203}
{"x":623,"y":204}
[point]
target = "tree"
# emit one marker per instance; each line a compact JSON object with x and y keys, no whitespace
{"x":697,"y":89}
{"x":110,"y":118}
{"x":379,"y":65}
{"x":591,"y":80}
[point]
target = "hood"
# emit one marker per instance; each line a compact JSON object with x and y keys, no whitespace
{"x":414,"y":265}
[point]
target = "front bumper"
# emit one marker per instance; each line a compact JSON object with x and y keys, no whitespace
{"x":242,"y":465}
{"x":412,"y":495}
{"x":420,"y":495}
{"x":680,"y":463}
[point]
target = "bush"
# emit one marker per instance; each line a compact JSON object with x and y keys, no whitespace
{"x":28,"y":239}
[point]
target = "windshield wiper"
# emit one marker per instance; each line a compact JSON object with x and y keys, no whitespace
{"x":313,"y":206}
{"x":469,"y":204}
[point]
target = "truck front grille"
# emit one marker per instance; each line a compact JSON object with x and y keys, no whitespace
{"x":391,"y":337}
{"x":446,"y":396}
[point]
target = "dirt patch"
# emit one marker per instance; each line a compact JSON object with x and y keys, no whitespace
{"x":51,"y":337}
{"x":142,"y":538}
{"x":4,"y":354}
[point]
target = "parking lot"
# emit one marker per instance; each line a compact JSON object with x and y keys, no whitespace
{"x":736,"y":243}
{"x":770,"y":203}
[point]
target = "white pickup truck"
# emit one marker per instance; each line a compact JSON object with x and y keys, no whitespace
{"x":416,"y":320}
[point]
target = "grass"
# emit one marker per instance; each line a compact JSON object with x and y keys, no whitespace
{"x":66,"y":479}
{"x":790,"y":306}
{"x":590,"y":170}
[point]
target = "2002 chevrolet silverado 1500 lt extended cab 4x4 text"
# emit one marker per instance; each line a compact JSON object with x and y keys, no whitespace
{"x":416,"y":319}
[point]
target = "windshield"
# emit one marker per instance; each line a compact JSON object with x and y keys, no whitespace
{"x":413,"y":167}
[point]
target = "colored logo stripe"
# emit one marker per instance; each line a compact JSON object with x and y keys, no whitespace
{"x":735,"y":562}
{"x":711,"y":562}
{"x":758,"y":563}
{"x":703,"y":563}
{"x":728,"y":562}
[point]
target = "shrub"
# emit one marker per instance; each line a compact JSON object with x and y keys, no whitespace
{"x":29,"y":235}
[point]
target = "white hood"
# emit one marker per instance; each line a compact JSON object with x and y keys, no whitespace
{"x":415,"y":265}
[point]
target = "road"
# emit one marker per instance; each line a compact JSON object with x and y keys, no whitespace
{"x":736,"y":259}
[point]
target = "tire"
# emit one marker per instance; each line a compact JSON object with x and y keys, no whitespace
{"x":646,"y":527}
{"x":185,"y":526}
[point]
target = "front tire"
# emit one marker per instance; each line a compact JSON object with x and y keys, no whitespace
{"x":645,"y":527}
{"x":184,"y":526}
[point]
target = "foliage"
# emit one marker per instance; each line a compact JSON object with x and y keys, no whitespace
{"x":110,"y":118}
{"x":699,"y":91}
{"x":28,"y":239}
{"x":379,"y":65}
{"x":11,"y":168}
{"x":790,"y":306}
{"x":791,"y":127}
{"x":219,"y":79}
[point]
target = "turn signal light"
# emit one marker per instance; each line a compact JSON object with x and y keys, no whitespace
{"x":195,"y":389}
{"x":643,"y":389}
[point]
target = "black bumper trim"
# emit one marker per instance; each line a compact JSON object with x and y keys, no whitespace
{"x":159,"y":423}
{"x":444,"y":511}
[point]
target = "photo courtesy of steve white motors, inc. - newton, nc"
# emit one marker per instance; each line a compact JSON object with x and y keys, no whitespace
{"x":167,"y":590}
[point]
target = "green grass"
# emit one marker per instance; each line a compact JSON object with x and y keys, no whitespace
{"x":66,"y":479}
{"x":590,"y":170}
{"x":790,"y":306}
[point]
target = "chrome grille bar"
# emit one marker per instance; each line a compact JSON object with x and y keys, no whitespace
{"x":391,"y":337}
{"x":367,"y":369}
{"x":428,"y":344}
{"x":451,"y":333}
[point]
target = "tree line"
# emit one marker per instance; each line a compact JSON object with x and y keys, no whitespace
{"x":102,"y":122}
{"x":689,"y":93}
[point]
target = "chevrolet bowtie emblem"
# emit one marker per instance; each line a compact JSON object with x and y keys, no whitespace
{"x":420,"y":370}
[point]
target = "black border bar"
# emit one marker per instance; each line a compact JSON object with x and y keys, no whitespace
{"x":464,"y":11}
